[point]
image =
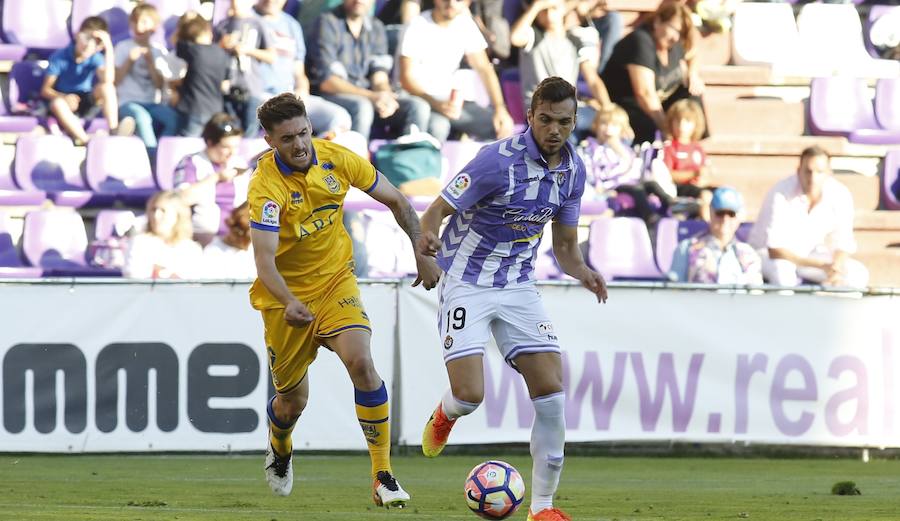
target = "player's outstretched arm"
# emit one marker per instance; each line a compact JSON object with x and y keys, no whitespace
{"x":386,"y":194}
{"x":429,"y":243}
{"x":565,"y":247}
{"x":264,"y":245}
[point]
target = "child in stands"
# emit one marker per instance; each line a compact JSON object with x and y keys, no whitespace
{"x":80,"y":82}
{"x":201,"y":93}
{"x":685,"y":157}
{"x":614,"y":167}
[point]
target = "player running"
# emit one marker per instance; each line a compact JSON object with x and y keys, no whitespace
{"x":306,"y":290}
{"x":499,"y":204}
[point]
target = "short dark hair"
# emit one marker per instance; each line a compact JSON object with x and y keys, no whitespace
{"x":93,"y":23}
{"x":553,"y":89}
{"x":280,"y":108}
{"x":220,"y":126}
{"x":191,"y":26}
{"x":814,"y":151}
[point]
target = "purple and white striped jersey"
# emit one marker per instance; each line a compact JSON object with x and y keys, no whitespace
{"x":503,"y":198}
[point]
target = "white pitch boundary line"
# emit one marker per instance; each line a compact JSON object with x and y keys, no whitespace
{"x":236,"y":510}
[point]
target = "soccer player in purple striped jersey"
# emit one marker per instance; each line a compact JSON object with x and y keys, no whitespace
{"x":498,"y":206}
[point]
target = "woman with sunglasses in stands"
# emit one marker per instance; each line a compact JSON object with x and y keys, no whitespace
{"x":214,"y":180}
{"x":653,"y":67}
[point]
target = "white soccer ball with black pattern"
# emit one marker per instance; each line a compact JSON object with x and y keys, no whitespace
{"x":494,"y":490}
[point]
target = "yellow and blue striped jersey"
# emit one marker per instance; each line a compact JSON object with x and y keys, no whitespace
{"x":306,"y":210}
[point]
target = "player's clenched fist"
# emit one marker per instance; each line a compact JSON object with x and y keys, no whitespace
{"x":297,"y":314}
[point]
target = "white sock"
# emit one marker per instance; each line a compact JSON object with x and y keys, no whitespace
{"x":454,"y":408}
{"x":548,"y":439}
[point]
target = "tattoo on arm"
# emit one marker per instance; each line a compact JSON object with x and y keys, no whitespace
{"x":409,"y":221}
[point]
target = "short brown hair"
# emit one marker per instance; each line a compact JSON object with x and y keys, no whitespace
{"x":280,"y":108}
{"x":686,"y":109}
{"x":144,"y":9}
{"x":191,"y":26}
{"x":220,"y":126}
{"x":93,"y":23}
{"x":814,"y":151}
{"x":553,"y":89}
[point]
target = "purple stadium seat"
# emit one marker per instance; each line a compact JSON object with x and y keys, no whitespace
{"x":666,"y":242}
{"x":691,"y":228}
{"x":24,"y":86}
{"x":169,"y":12}
{"x":890,"y":181}
{"x":11,"y":52}
{"x":56,"y":240}
{"x":252,"y":147}
{"x":620,"y":248}
{"x":10,"y":193}
{"x":37,"y":24}
{"x":115,"y":12}
{"x":743,"y":231}
{"x":119,"y":166}
{"x":220,"y":10}
{"x":170,"y":151}
{"x":52,"y":164}
{"x":831,"y":36}
{"x":842,"y":106}
{"x":875,"y":12}
{"x":113,"y":223}
{"x":11,"y":264}
{"x":887,"y":103}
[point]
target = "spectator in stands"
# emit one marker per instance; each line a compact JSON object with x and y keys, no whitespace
{"x":683,"y":155}
{"x":613,"y":167}
{"x":608,"y":23}
{"x":200,"y":92}
{"x":214,"y":180}
{"x":350,"y":66}
{"x":288,"y":72}
{"x":230,"y":256}
{"x":488,"y":16}
{"x":804,"y":231}
{"x":718,"y":257}
{"x":430,"y":54}
{"x":80,"y":82}
{"x":650,"y":70}
{"x":550,"y":48}
{"x":165,"y":250}
{"x":142,"y":70}
{"x":248,"y":40}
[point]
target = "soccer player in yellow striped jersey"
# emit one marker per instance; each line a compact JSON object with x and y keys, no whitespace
{"x":306,"y":291}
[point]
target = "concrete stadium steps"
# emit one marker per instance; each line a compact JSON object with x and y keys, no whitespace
{"x":752,"y":164}
{"x":878,"y":239}
{"x":752,"y":75}
{"x":755,"y":185}
{"x":764,"y":116}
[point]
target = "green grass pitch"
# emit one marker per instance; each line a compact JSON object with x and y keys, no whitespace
{"x":337,"y":488}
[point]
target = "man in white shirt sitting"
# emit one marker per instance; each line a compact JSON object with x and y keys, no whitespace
{"x":804,"y":231}
{"x":430,"y":53}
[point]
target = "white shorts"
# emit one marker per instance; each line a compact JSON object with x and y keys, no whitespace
{"x":469,"y":314}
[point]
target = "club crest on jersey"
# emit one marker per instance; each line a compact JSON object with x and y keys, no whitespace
{"x":560,"y":178}
{"x":448,"y":342}
{"x":270,"y":212}
{"x":333,"y":185}
{"x":296,"y":198}
{"x":459,"y":185}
